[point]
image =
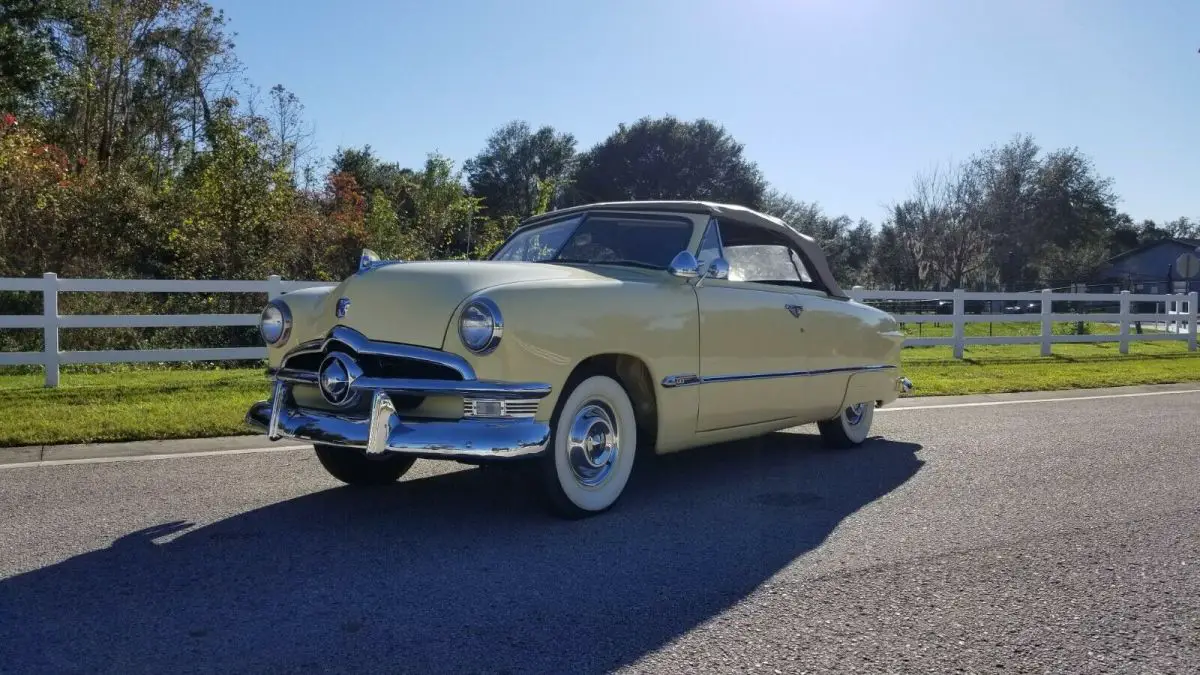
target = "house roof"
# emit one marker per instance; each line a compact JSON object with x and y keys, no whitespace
{"x":1179,"y":241}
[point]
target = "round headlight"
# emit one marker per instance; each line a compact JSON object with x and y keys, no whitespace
{"x":480,"y":326}
{"x":275,"y":322}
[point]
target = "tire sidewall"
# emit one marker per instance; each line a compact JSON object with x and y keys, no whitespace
{"x":857,"y":433}
{"x":610,"y":392}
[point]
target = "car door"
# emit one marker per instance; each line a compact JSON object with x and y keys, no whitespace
{"x":768,"y":349}
{"x":748,"y":339}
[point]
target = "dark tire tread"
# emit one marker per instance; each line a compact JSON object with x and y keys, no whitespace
{"x":352,"y":467}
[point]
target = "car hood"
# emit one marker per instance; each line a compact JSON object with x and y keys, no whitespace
{"x":414,"y":302}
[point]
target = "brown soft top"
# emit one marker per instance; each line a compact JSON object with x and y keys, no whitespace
{"x":733,"y":212}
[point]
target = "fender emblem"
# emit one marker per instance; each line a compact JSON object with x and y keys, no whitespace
{"x":343,"y":304}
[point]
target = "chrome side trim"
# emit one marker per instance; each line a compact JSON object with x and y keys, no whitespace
{"x":734,"y":377}
{"x":689,"y":379}
{"x":685,"y":380}
{"x":359,"y":343}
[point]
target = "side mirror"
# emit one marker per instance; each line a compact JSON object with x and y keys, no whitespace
{"x":717,"y":269}
{"x":684,"y":265}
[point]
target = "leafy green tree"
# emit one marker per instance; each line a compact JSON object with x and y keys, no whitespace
{"x":233,"y":200}
{"x":438,"y":214}
{"x":668,"y":158}
{"x":521,"y":170}
{"x":29,"y":47}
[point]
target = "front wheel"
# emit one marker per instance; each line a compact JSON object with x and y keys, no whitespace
{"x":850,"y":428}
{"x":592,"y":449}
{"x":353,"y":467}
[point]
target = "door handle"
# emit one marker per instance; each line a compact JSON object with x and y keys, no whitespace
{"x":794,"y":309}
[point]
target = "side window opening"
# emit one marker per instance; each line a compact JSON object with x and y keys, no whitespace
{"x":759,"y":255}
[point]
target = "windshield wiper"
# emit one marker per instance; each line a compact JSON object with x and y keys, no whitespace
{"x":621,"y":262}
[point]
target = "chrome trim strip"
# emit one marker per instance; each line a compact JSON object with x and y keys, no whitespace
{"x":733,"y":377}
{"x":689,"y":379}
{"x":359,"y":343}
{"x":477,"y":388}
{"x":420,"y":387}
{"x":386,"y":432}
{"x":293,"y":376}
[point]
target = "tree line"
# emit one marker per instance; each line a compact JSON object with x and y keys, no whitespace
{"x":132,"y":146}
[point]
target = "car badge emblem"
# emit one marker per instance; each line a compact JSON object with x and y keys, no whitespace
{"x":342,"y":305}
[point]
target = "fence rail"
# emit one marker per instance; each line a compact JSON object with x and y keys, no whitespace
{"x":51,"y":322}
{"x":1178,"y":315}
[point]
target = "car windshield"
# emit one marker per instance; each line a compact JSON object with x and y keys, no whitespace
{"x":637,"y":241}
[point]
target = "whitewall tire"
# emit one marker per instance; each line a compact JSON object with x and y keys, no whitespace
{"x":850,"y":428}
{"x":592,"y":449}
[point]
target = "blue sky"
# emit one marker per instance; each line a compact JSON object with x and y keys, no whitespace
{"x":840,"y":102}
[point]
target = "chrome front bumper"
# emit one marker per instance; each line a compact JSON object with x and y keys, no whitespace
{"x":385,"y":431}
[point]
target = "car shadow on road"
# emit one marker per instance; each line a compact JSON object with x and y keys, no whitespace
{"x":460,"y":572}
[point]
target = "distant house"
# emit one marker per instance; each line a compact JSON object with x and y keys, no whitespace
{"x":1150,"y":268}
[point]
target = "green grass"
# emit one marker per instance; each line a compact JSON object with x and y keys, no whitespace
{"x":988,"y":369}
{"x":127,"y":405}
{"x":136,"y":403}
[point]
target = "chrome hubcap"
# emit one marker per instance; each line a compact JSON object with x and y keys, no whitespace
{"x":854,"y":413}
{"x":593,"y":444}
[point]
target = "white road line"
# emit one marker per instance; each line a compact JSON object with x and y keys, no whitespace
{"x":980,"y":404}
{"x":142,"y":458}
{"x":284,"y":448}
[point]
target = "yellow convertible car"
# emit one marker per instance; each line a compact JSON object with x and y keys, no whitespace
{"x":593,"y":333}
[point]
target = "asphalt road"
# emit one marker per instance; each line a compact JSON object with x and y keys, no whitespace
{"x":1056,"y":536}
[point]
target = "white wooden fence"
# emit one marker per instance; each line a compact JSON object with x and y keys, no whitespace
{"x":50,"y":321}
{"x":1180,"y":311}
{"x":1179,"y":315}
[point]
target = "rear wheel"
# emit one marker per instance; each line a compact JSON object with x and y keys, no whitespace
{"x":850,"y":428}
{"x":592,"y":448}
{"x":353,"y":467}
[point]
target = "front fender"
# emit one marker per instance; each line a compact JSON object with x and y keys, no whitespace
{"x":551,"y":327}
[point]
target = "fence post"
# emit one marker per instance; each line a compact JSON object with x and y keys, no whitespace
{"x":960,"y":312}
{"x":50,"y":327}
{"x":1047,"y":325}
{"x":1124,"y":322}
{"x":1193,"y":312}
{"x":274,"y":287}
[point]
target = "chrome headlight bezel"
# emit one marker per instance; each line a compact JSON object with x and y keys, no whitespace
{"x":276,"y":311}
{"x":484,"y":308}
